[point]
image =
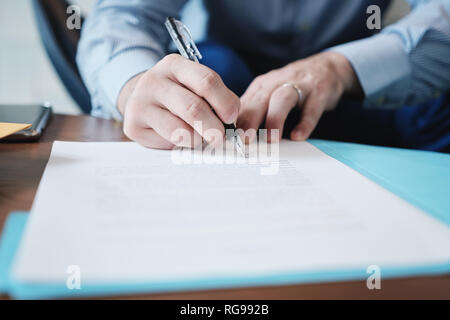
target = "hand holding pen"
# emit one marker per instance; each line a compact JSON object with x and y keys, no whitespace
{"x":186,"y":46}
{"x":174,"y":94}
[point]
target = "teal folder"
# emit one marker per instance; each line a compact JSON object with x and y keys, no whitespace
{"x":419,"y":177}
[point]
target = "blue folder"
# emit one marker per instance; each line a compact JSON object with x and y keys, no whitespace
{"x":419,"y":177}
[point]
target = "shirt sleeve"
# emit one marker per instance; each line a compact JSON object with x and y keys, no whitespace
{"x":408,"y":62}
{"x":120,"y":39}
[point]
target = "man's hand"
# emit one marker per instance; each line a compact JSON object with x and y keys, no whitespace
{"x":173,"y":95}
{"x":322,"y":78}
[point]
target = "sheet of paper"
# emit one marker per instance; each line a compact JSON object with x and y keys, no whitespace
{"x":121,"y":213}
{"x":7,"y":128}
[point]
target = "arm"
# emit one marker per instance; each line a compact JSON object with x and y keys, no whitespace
{"x":408,"y":62}
{"x":161,"y":100}
{"x":121,"y":39}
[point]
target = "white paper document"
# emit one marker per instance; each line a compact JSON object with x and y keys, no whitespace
{"x":124,"y":213}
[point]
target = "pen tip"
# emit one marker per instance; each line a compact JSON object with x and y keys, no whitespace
{"x":240,"y":146}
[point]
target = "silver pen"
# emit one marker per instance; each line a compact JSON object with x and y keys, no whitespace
{"x":185,"y":44}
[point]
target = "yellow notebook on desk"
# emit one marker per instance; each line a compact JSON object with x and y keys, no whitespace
{"x":7,"y":128}
{"x":23,"y":123}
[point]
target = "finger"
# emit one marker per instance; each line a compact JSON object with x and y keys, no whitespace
{"x":312,"y":111}
{"x":207,"y":84}
{"x":191,"y":108}
{"x":282,"y":100}
{"x":254,"y":105}
{"x":170,"y":127}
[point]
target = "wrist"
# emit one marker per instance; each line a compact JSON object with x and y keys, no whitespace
{"x":346,"y":74}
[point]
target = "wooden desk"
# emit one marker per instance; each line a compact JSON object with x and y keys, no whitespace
{"x":22,"y":165}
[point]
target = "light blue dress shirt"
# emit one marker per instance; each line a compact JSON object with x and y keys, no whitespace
{"x":406,"y":63}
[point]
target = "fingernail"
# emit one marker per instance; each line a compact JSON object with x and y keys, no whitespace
{"x":233,"y":117}
{"x":297,"y":135}
{"x":176,"y":140}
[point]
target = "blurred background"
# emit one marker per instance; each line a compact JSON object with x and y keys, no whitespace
{"x":26,"y":74}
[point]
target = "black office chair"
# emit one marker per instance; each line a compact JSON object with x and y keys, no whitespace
{"x":61,"y":46}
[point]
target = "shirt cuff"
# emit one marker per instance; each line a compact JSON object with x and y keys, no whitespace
{"x":121,"y":68}
{"x":383,"y":69}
